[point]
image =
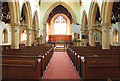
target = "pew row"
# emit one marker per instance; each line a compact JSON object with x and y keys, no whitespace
{"x":77,"y":54}
{"x":26,"y":54}
{"x":21,"y":69}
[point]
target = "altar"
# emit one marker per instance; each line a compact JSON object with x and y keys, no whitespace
{"x":54,"y":38}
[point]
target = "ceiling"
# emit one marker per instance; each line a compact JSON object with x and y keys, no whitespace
{"x":116,"y":11}
{"x":5,"y":12}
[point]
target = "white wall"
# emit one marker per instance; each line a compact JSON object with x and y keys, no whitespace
{"x":34,"y":7}
{"x":2,"y":27}
{"x":115,"y":26}
{"x":46,"y":5}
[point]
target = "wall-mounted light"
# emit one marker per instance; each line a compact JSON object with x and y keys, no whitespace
{"x":110,"y":29}
{"x":4,"y":17}
{"x":16,"y":30}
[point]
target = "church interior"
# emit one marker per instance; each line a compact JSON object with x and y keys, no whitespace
{"x":60,"y":40}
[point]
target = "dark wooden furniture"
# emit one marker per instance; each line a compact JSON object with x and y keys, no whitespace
{"x":95,"y":63}
{"x":54,"y":38}
{"x":20,"y":59}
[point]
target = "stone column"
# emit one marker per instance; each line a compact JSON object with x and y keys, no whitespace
{"x":82,"y":41}
{"x":91,"y":37}
{"x":75,"y":35}
{"x":29,"y":37}
{"x":44,"y":33}
{"x":35,"y":39}
{"x":105,"y":37}
{"x":15,"y":36}
{"x":37,"y":32}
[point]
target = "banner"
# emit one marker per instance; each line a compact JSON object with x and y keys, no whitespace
{"x":75,"y":28}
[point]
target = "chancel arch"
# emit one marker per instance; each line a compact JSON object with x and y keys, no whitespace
{"x":50,"y":11}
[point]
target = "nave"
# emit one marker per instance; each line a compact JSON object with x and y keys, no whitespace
{"x":58,"y":67}
{"x":78,"y":63}
{"x":32,"y":32}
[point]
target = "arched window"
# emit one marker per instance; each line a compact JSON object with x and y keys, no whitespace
{"x":5,"y":36}
{"x":60,"y":25}
{"x":23,"y":35}
{"x":115,"y":36}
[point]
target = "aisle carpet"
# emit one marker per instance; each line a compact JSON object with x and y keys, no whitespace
{"x":60,"y":67}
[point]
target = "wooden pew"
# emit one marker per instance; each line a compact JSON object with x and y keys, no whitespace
{"x":73,"y":54}
{"x":45,"y":55}
{"x":26,"y":57}
{"x":113,"y":79}
{"x":80,"y":57}
{"x":100,"y":69}
{"x":30,"y":55}
{"x":78,"y":52}
{"x":21,"y":69}
{"x":5,"y":47}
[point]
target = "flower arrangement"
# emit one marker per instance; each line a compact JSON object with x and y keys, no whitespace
{"x":75,"y":40}
{"x":60,"y":42}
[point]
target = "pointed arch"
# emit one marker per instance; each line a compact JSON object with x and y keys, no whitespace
{"x":92,"y":17}
{"x":28,"y":13}
{"x":46,"y":16}
{"x":26,"y":8}
{"x":106,"y":13}
{"x":92,"y":13}
{"x":84,"y":27}
{"x":36,"y":20}
{"x":84,"y":20}
{"x":14,"y":11}
{"x":35,"y":32}
{"x":55,"y":5}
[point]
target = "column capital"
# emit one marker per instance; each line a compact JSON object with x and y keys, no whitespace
{"x":28,"y":29}
{"x":15,"y":28}
{"x":106,"y":24}
{"x":15,"y":24}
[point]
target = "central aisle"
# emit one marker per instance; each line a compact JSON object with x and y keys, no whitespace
{"x":60,"y":67}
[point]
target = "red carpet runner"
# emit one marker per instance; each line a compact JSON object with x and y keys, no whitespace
{"x":60,"y":67}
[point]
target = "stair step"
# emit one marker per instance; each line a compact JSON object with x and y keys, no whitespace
{"x":60,"y":49}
